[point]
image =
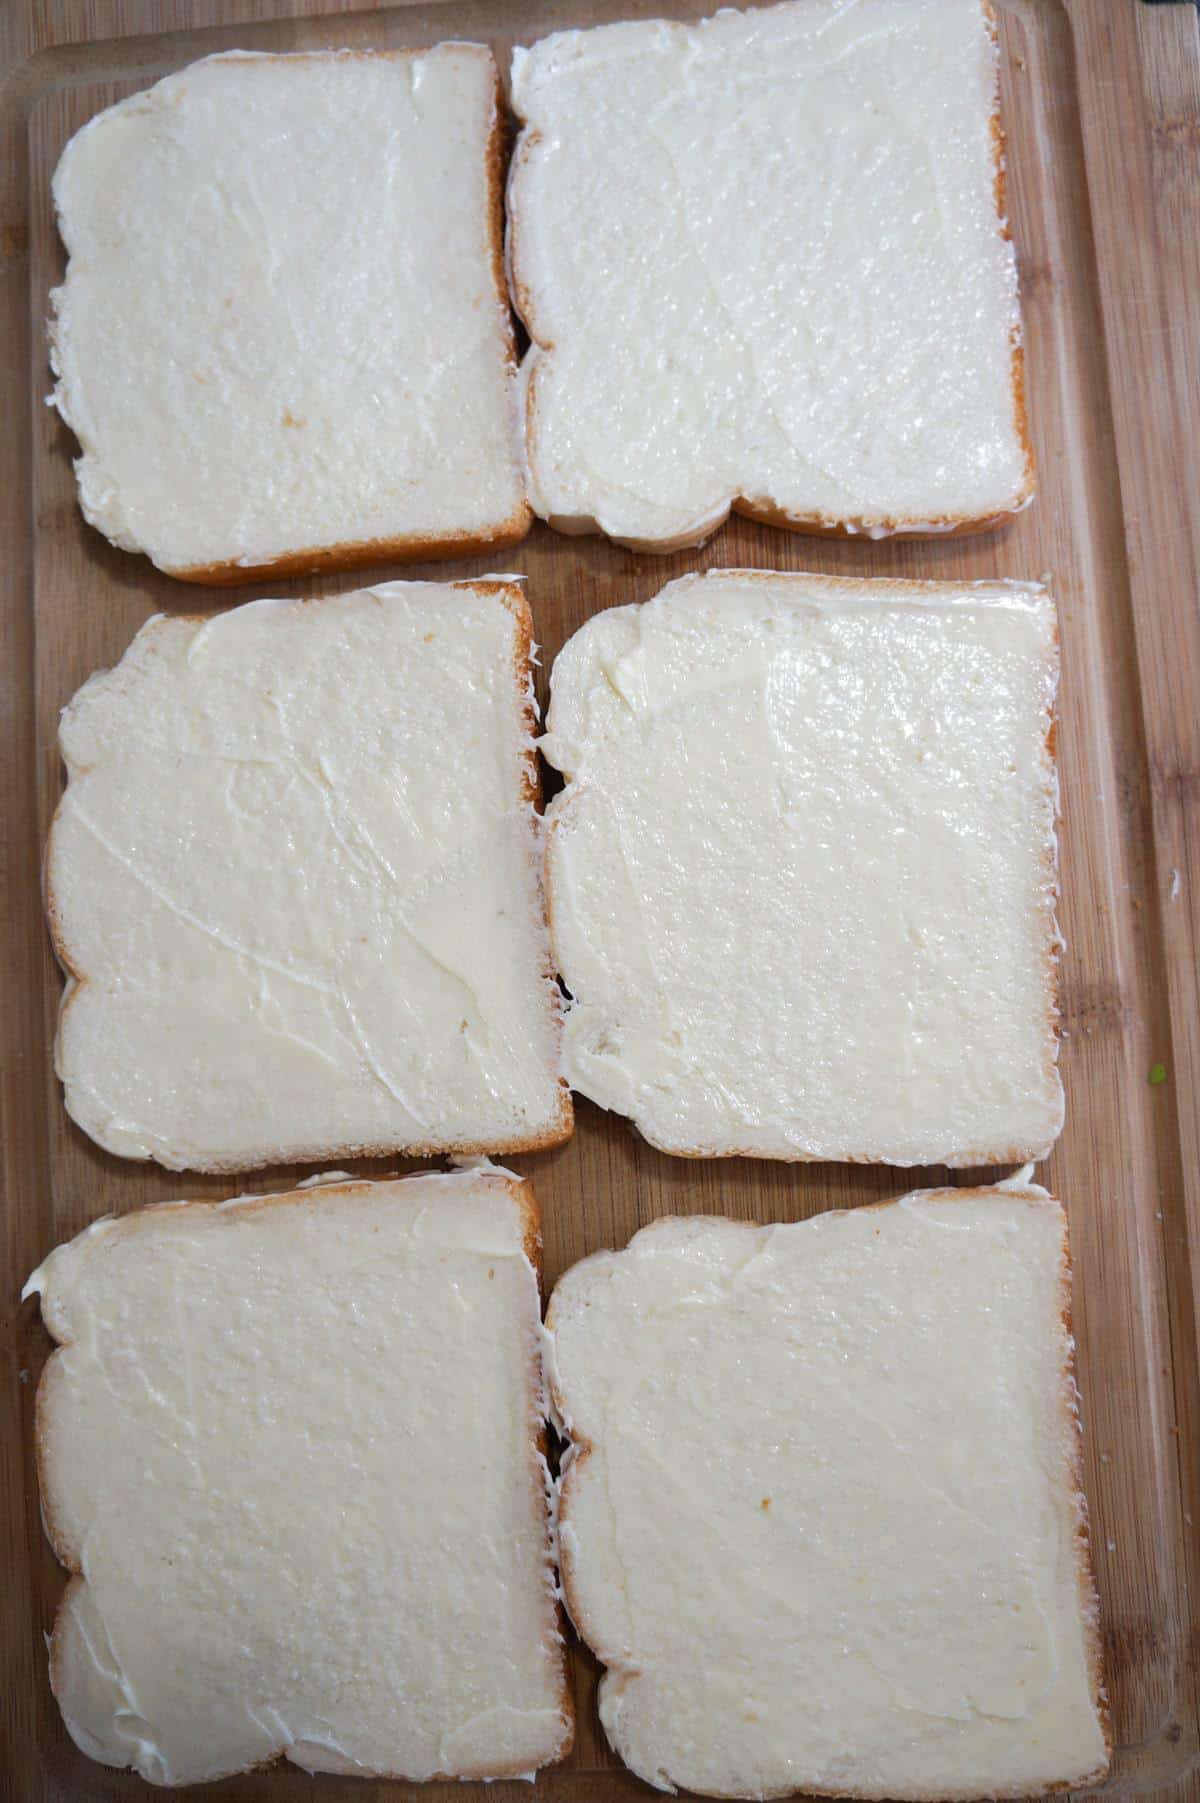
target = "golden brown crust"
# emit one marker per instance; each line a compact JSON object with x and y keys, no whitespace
{"x":497,"y":175}
{"x":1051,"y":880}
{"x":964,"y":1160}
{"x":581,"y":1449}
{"x":525,"y":1200}
{"x":762,"y":508}
{"x":521,"y":1192}
{"x":409,"y":548}
{"x":999,"y":139}
{"x":512,"y":597}
{"x":946,"y":525}
{"x":1089,"y":1600}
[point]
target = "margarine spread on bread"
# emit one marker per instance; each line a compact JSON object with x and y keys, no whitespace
{"x":294,"y":879}
{"x":821,"y":1518}
{"x":283,"y":340}
{"x":763,"y":262}
{"x":802,"y":876}
{"x":289,"y":1447}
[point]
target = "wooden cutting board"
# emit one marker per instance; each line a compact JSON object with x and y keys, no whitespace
{"x":1102,"y":102}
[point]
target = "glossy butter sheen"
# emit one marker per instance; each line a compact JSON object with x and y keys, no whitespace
{"x":823,"y":1531}
{"x":244,"y":1447}
{"x":280,"y":327}
{"x":793,"y":283}
{"x":296,"y":865}
{"x":802,"y":876}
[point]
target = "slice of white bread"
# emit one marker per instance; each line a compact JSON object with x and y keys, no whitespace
{"x":295,"y":882}
{"x":283,"y":339}
{"x":822,"y":1514}
{"x":802,"y":877}
{"x":291,"y":1448}
{"x":763,"y":262}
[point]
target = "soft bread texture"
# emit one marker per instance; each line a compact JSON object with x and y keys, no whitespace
{"x":795,"y":292}
{"x":295,"y":882}
{"x":802,"y":876}
{"x":822,"y":1514}
{"x":291,"y":1445}
{"x":283,"y":339}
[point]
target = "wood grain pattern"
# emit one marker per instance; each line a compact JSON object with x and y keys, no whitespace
{"x":1102,"y":102}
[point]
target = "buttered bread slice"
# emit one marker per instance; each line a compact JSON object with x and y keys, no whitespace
{"x":283,"y":339}
{"x":802,"y":875}
{"x":290,"y":1447}
{"x":794,"y":293}
{"x":821,"y":1516}
{"x":294,"y":880}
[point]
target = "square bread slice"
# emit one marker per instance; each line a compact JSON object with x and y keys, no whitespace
{"x":822,"y":1515}
{"x":283,"y":339}
{"x":802,"y":877}
{"x":295,"y":883}
{"x":291,"y":1448}
{"x":795,"y":293}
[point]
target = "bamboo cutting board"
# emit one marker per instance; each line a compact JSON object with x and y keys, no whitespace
{"x":1102,"y":104}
